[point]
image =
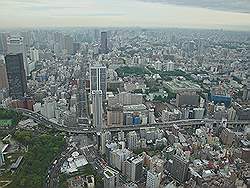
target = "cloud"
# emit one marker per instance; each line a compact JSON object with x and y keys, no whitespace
{"x":146,"y":13}
{"x":241,"y":6}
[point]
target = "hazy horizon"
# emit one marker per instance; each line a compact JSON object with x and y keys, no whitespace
{"x":203,"y":14}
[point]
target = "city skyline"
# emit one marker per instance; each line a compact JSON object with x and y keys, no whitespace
{"x":232,"y":15}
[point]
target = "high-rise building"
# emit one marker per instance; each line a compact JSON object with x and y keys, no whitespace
{"x":118,"y":157}
{"x":98,"y":79}
{"x":34,"y":54}
{"x":198,"y":113}
{"x":82,"y":110}
{"x":16,"y":75}
{"x":178,"y":168}
{"x":97,"y":109}
{"x":104,"y":43}
{"x":115,"y":116}
{"x":169,"y":66}
{"x":151,"y":116}
{"x":49,"y":107}
{"x":227,"y":136}
{"x":3,"y":74}
{"x":105,"y":137}
{"x":68,"y":40}
{"x":76,"y":47}
{"x":187,"y":98}
{"x":132,"y":140}
{"x":153,"y":179}
{"x":111,"y":178}
{"x":133,"y":168}
{"x":3,"y":43}
{"x":231,"y":114}
{"x":15,"y":45}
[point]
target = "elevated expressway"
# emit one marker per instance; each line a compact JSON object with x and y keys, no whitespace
{"x":194,"y":123}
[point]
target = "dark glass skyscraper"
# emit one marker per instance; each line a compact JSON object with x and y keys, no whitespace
{"x":16,"y":75}
{"x":104,"y":43}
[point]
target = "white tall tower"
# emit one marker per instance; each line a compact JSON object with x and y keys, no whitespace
{"x":98,"y":79}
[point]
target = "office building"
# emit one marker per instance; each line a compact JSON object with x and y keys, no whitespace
{"x":98,"y":79}
{"x":68,"y":44}
{"x":109,"y":147}
{"x":151,"y":116}
{"x":125,"y":98}
{"x":231,"y":114}
{"x":198,"y":113}
{"x":115,"y":116}
{"x":169,"y":66}
{"x":105,"y":138}
{"x":3,"y":74}
{"x":15,"y":45}
{"x":227,"y":136}
{"x":153,"y":179}
{"x":34,"y":54}
{"x":16,"y":75}
{"x":188,"y":98}
{"x":97,"y":109}
{"x":133,"y":168}
{"x":119,"y":156}
{"x":178,"y":168}
{"x":104,"y":43}
{"x":82,"y":109}
{"x":3,"y":43}
{"x":76,"y":47}
{"x":111,"y":178}
{"x":120,"y":136}
{"x":132,"y":140}
{"x":49,"y":107}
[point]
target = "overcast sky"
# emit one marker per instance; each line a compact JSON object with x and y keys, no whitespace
{"x":232,"y":14}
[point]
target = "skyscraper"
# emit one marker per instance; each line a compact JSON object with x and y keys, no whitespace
{"x":115,"y":116}
{"x":153,"y":179}
{"x":98,"y":79}
{"x":132,"y":140}
{"x":34,"y":54}
{"x":111,"y":178}
{"x":97,"y":109}
{"x":15,"y":45}
{"x":3,"y":43}
{"x":178,"y":168}
{"x":16,"y":75}
{"x":3,"y":74}
{"x":82,"y":110}
{"x":68,"y":44}
{"x":133,"y":168}
{"x":104,"y":43}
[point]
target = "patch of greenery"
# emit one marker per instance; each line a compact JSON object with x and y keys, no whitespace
{"x":42,"y":150}
{"x":11,"y":115}
{"x":128,"y":71}
{"x":166,"y":75}
{"x":63,"y":181}
{"x":5,"y":122}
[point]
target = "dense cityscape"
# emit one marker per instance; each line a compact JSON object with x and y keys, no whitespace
{"x":124,"y":107}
